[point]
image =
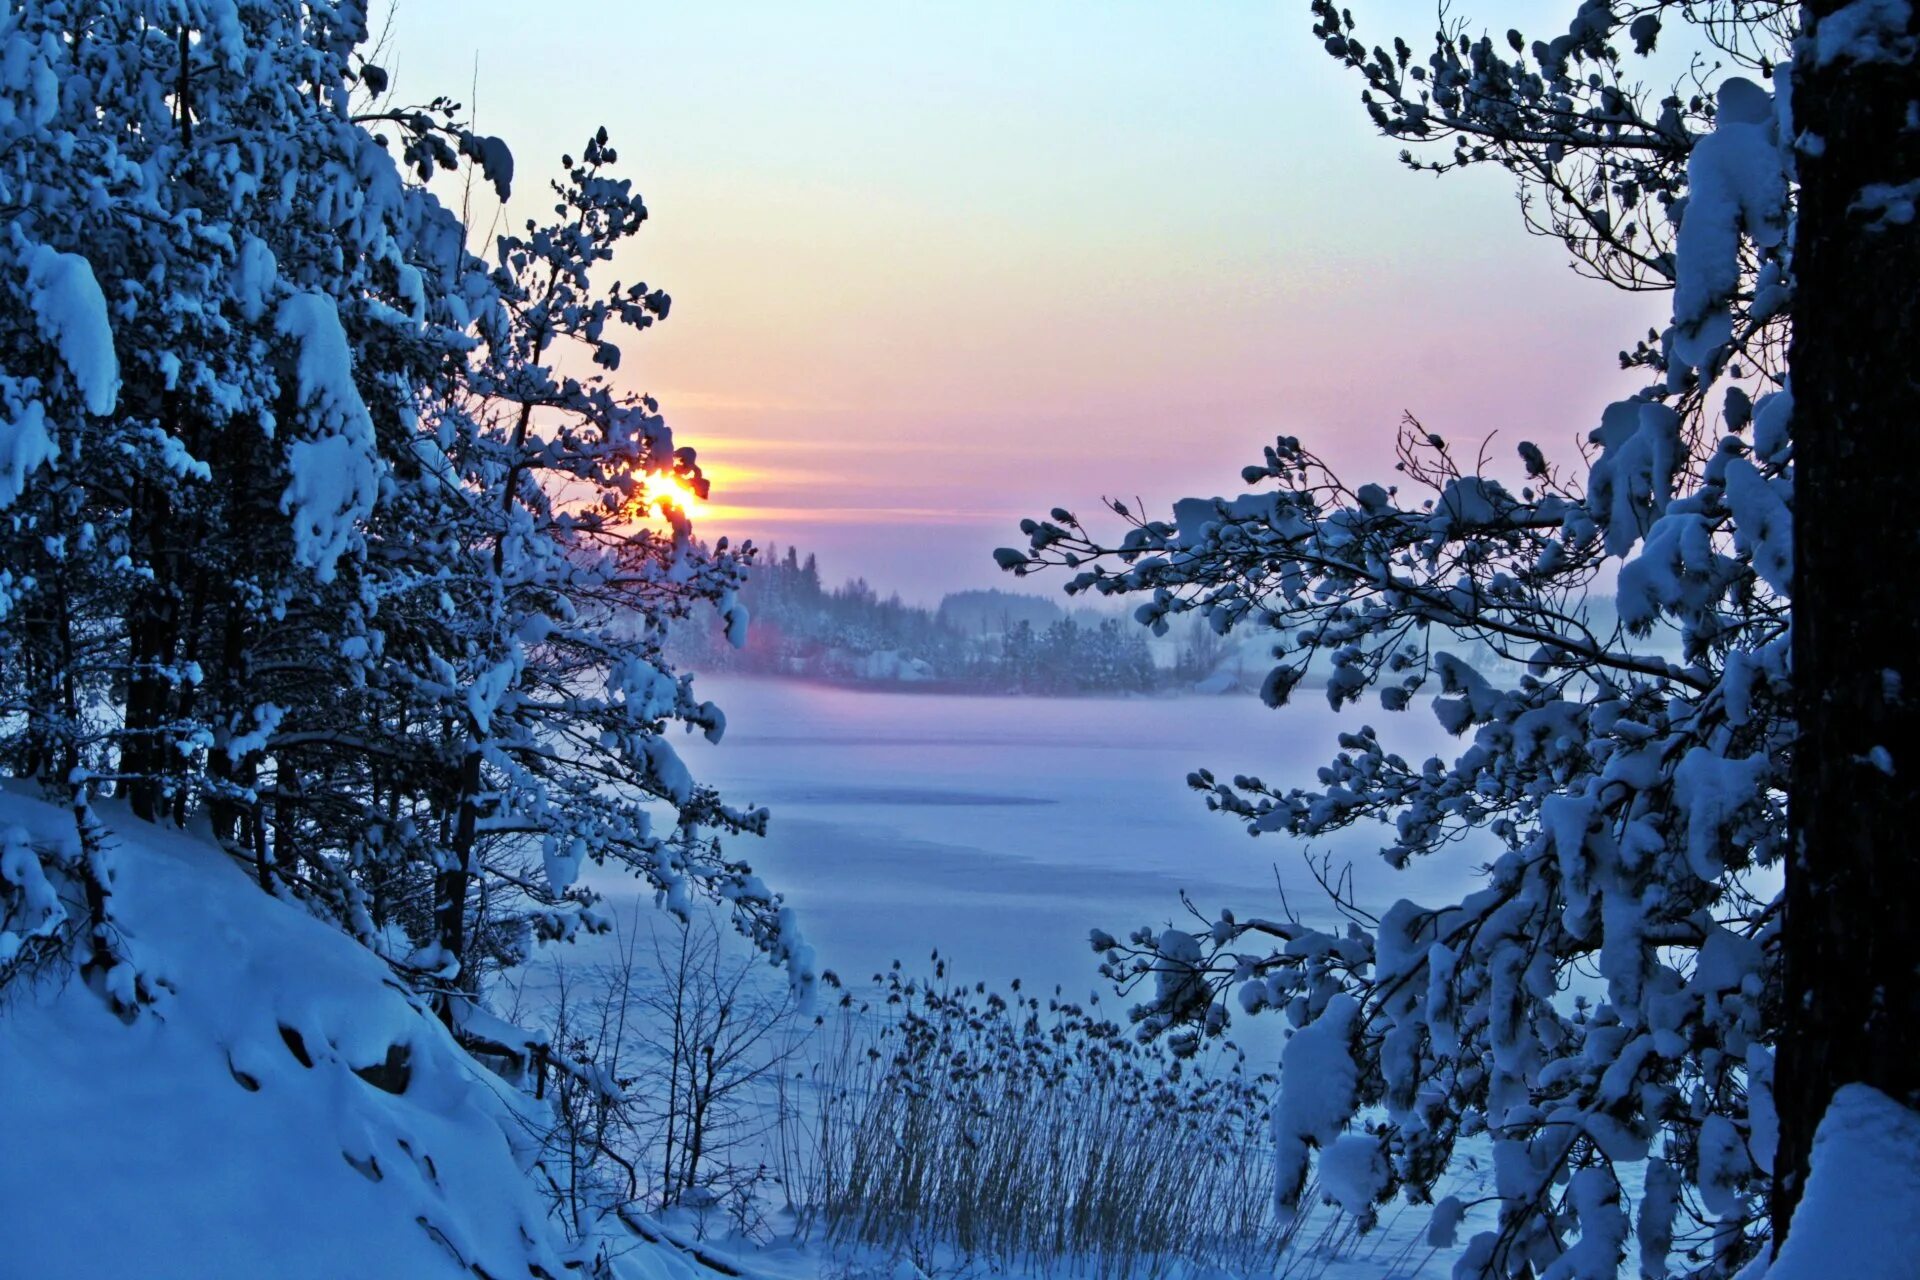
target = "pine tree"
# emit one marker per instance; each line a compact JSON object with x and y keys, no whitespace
{"x":204,"y":253}
{"x":302,"y":526}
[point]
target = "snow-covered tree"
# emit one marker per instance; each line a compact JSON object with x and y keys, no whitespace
{"x":308,"y":522}
{"x":555,"y":695}
{"x":1606,"y":1007}
{"x":216,"y":306}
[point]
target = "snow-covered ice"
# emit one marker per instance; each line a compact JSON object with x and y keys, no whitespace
{"x":1002,"y":829}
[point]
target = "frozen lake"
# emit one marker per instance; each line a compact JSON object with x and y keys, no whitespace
{"x":1002,"y":829}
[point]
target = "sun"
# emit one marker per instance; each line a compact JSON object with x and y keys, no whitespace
{"x":664,"y":489}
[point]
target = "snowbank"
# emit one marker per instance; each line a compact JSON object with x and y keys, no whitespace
{"x":1860,"y":1214}
{"x":284,"y":1109}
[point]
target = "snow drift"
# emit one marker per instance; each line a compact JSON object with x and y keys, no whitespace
{"x":283,"y":1107}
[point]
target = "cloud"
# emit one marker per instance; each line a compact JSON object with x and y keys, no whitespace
{"x":718,"y":514}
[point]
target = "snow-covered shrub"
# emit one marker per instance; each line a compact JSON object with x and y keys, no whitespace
{"x":660,"y":1068}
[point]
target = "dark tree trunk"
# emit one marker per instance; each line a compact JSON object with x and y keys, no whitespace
{"x":200,"y":575}
{"x":49,"y":751}
{"x":235,"y":822}
{"x":1851,"y":996}
{"x":451,"y":883}
{"x":69,"y":753}
{"x":153,"y":627}
{"x":40,"y":654}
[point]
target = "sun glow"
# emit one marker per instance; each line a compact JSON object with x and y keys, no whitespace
{"x":660,"y":489}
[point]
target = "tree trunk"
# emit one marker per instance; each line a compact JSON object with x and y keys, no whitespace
{"x":1851,"y":995}
{"x":452,"y":881}
{"x":153,"y":626}
{"x":40,"y":628}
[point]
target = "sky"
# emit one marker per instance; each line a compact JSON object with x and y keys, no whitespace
{"x":938,"y":266}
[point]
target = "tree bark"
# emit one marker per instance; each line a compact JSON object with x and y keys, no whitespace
{"x":153,"y":626}
{"x":1851,"y":995}
{"x":452,"y":881}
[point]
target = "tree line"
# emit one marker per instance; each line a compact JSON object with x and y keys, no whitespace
{"x":982,"y":641}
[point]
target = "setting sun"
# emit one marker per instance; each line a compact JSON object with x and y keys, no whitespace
{"x":663,"y":489}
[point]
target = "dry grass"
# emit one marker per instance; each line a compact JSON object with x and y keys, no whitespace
{"x":941,"y":1120}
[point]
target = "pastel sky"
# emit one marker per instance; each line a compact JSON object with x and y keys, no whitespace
{"x":936,"y":266}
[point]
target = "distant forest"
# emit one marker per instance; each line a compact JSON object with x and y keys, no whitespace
{"x":1007,"y":641}
{"x":998,"y":641}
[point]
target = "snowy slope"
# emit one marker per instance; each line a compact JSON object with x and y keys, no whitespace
{"x":196,"y":1142}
